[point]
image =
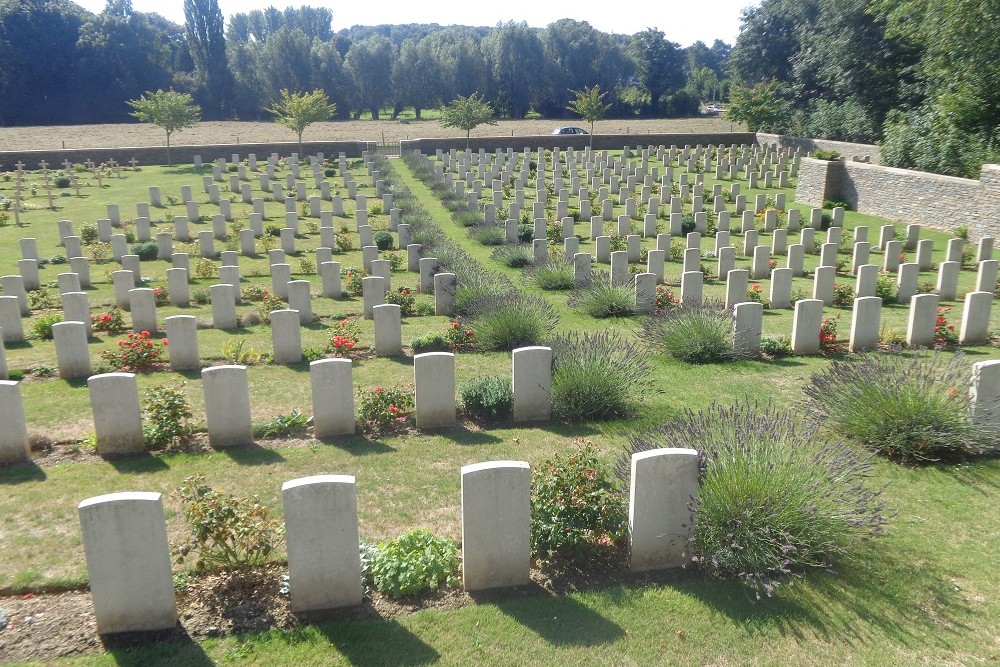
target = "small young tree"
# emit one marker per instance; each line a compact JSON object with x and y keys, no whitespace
{"x":167,"y":109}
{"x":761,"y":107}
{"x":297,"y":111}
{"x":589,"y":105}
{"x":467,"y":113}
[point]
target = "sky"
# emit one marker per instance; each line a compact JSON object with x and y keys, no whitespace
{"x":681,"y":22}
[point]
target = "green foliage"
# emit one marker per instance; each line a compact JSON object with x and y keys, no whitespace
{"x":761,"y":106}
{"x":297,"y":111}
{"x":776,"y":348}
{"x":589,"y":105}
{"x":597,"y":376}
{"x":165,"y":413}
{"x":169,"y":110}
{"x":383,"y":239}
{"x":236,"y":351}
{"x":510,"y":320}
{"x":488,"y":398}
{"x":601,"y":299}
{"x":578,"y":508}
{"x":228,"y":532}
{"x":772,"y":501}
{"x":467,"y":113}
{"x":911,"y":409}
{"x":42,"y":299}
{"x":205,"y":269}
{"x":147,"y":251}
{"x":695,"y":333}
{"x":282,"y":425}
{"x":885,"y":287}
{"x":553,"y":275}
{"x":136,"y":352}
{"x":430,"y":342}
{"x":822,"y":154}
{"x":42,"y":326}
{"x":383,"y":408}
{"x":488,"y":235}
{"x":513,"y":256}
{"x":413,"y":563}
{"x":306,"y":266}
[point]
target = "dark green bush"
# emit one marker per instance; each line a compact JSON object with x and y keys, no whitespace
{"x":772,"y":501}
{"x":597,"y":376}
{"x":525,"y":233}
{"x":489,"y":398}
{"x":272,"y":229}
{"x":822,"y":154}
{"x":62,"y":182}
{"x":578,"y":508}
{"x":383,"y":239}
{"x":146,"y":251}
{"x":908,"y":408}
{"x":775,"y":347}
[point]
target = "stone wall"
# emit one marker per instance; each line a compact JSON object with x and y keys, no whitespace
{"x":931,"y":200}
{"x":601,"y":141}
{"x":183,"y":154}
{"x":846,"y":149}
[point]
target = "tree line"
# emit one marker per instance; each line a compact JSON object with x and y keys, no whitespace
{"x":62,"y":64}
{"x":919,"y":77}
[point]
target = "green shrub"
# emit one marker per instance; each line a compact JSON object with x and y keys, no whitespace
{"x":885,"y":287}
{"x":430,"y":342}
{"x":822,"y":154}
{"x":380,"y":408}
{"x":601,"y":299}
{"x":489,"y":398}
{"x":911,"y":409}
{"x":201,"y":296}
{"x":525,"y":233}
{"x":488,"y":235}
{"x":146,"y":251}
{"x":553,"y":275}
{"x":775,"y":348}
{"x":62,"y":182}
{"x":88,"y":233}
{"x":42,"y":327}
{"x":413,"y":563}
{"x":272,"y":229}
{"x":772,"y":501}
{"x":282,"y":426}
{"x":513,"y":256}
{"x":468,"y":218}
{"x":165,"y":413}
{"x":843,"y":294}
{"x":42,"y":299}
{"x":596,"y":375}
{"x":509,"y":320}
{"x":205,"y":269}
{"x":578,"y":508}
{"x":383,"y":239}
{"x":696,"y":333}
{"x":227,"y":531}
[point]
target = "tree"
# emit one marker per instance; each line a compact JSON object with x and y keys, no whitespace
{"x":297,"y":111}
{"x":761,"y":107}
{"x":589,"y":104}
{"x":170,"y":110}
{"x":370,"y":63}
{"x":467,"y":113}
{"x":659,"y":65}
{"x":207,"y":43}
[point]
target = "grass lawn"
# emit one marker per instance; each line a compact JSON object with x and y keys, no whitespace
{"x":923,"y":592}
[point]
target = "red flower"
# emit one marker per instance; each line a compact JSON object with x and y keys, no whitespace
{"x":165,"y":342}
{"x":378,"y":390}
{"x":145,"y":334}
{"x":393,"y":409}
{"x":470,"y":333}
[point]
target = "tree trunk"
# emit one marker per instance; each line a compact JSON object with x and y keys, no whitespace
{"x":169,"y":163}
{"x":375,"y":113}
{"x":416,"y":112}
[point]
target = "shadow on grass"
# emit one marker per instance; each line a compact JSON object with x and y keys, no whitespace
{"x":358,"y":446}
{"x":382,"y":643}
{"x":146,"y":649}
{"x":19,"y":473}
{"x":980,"y":474}
{"x":252,"y":455}
{"x":893,"y":595}
{"x":462,"y":435}
{"x":561,"y":621}
{"x":137,"y":464}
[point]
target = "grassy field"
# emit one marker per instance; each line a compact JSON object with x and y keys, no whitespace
{"x":921,"y":593}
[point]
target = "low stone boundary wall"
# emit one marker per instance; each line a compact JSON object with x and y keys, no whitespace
{"x":845,"y":148}
{"x":915,"y":197}
{"x":183,"y":154}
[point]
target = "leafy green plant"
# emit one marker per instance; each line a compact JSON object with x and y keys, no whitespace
{"x":236,"y":351}
{"x":146,"y":251}
{"x":772,"y":500}
{"x":413,"y":563}
{"x":383,"y":240}
{"x":381,"y":408}
{"x":430,"y":342}
{"x":136,"y":352}
{"x":843,"y":294}
{"x":488,"y":398}
{"x":42,"y":326}
{"x":488,"y":235}
{"x":354,"y":277}
{"x":402,"y":297}
{"x":698,"y":333}
{"x":205,"y":269}
{"x":885,"y":287}
{"x":513,"y":256}
{"x":578,"y":508}
{"x":910,"y":409}
{"x":282,"y":425}
{"x":776,"y":348}
{"x":42,"y":299}
{"x":227,"y":531}
{"x":822,"y":154}
{"x":599,"y":375}
{"x":165,"y":413}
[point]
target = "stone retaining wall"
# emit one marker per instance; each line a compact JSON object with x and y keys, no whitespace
{"x":931,"y":200}
{"x":845,"y":148}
